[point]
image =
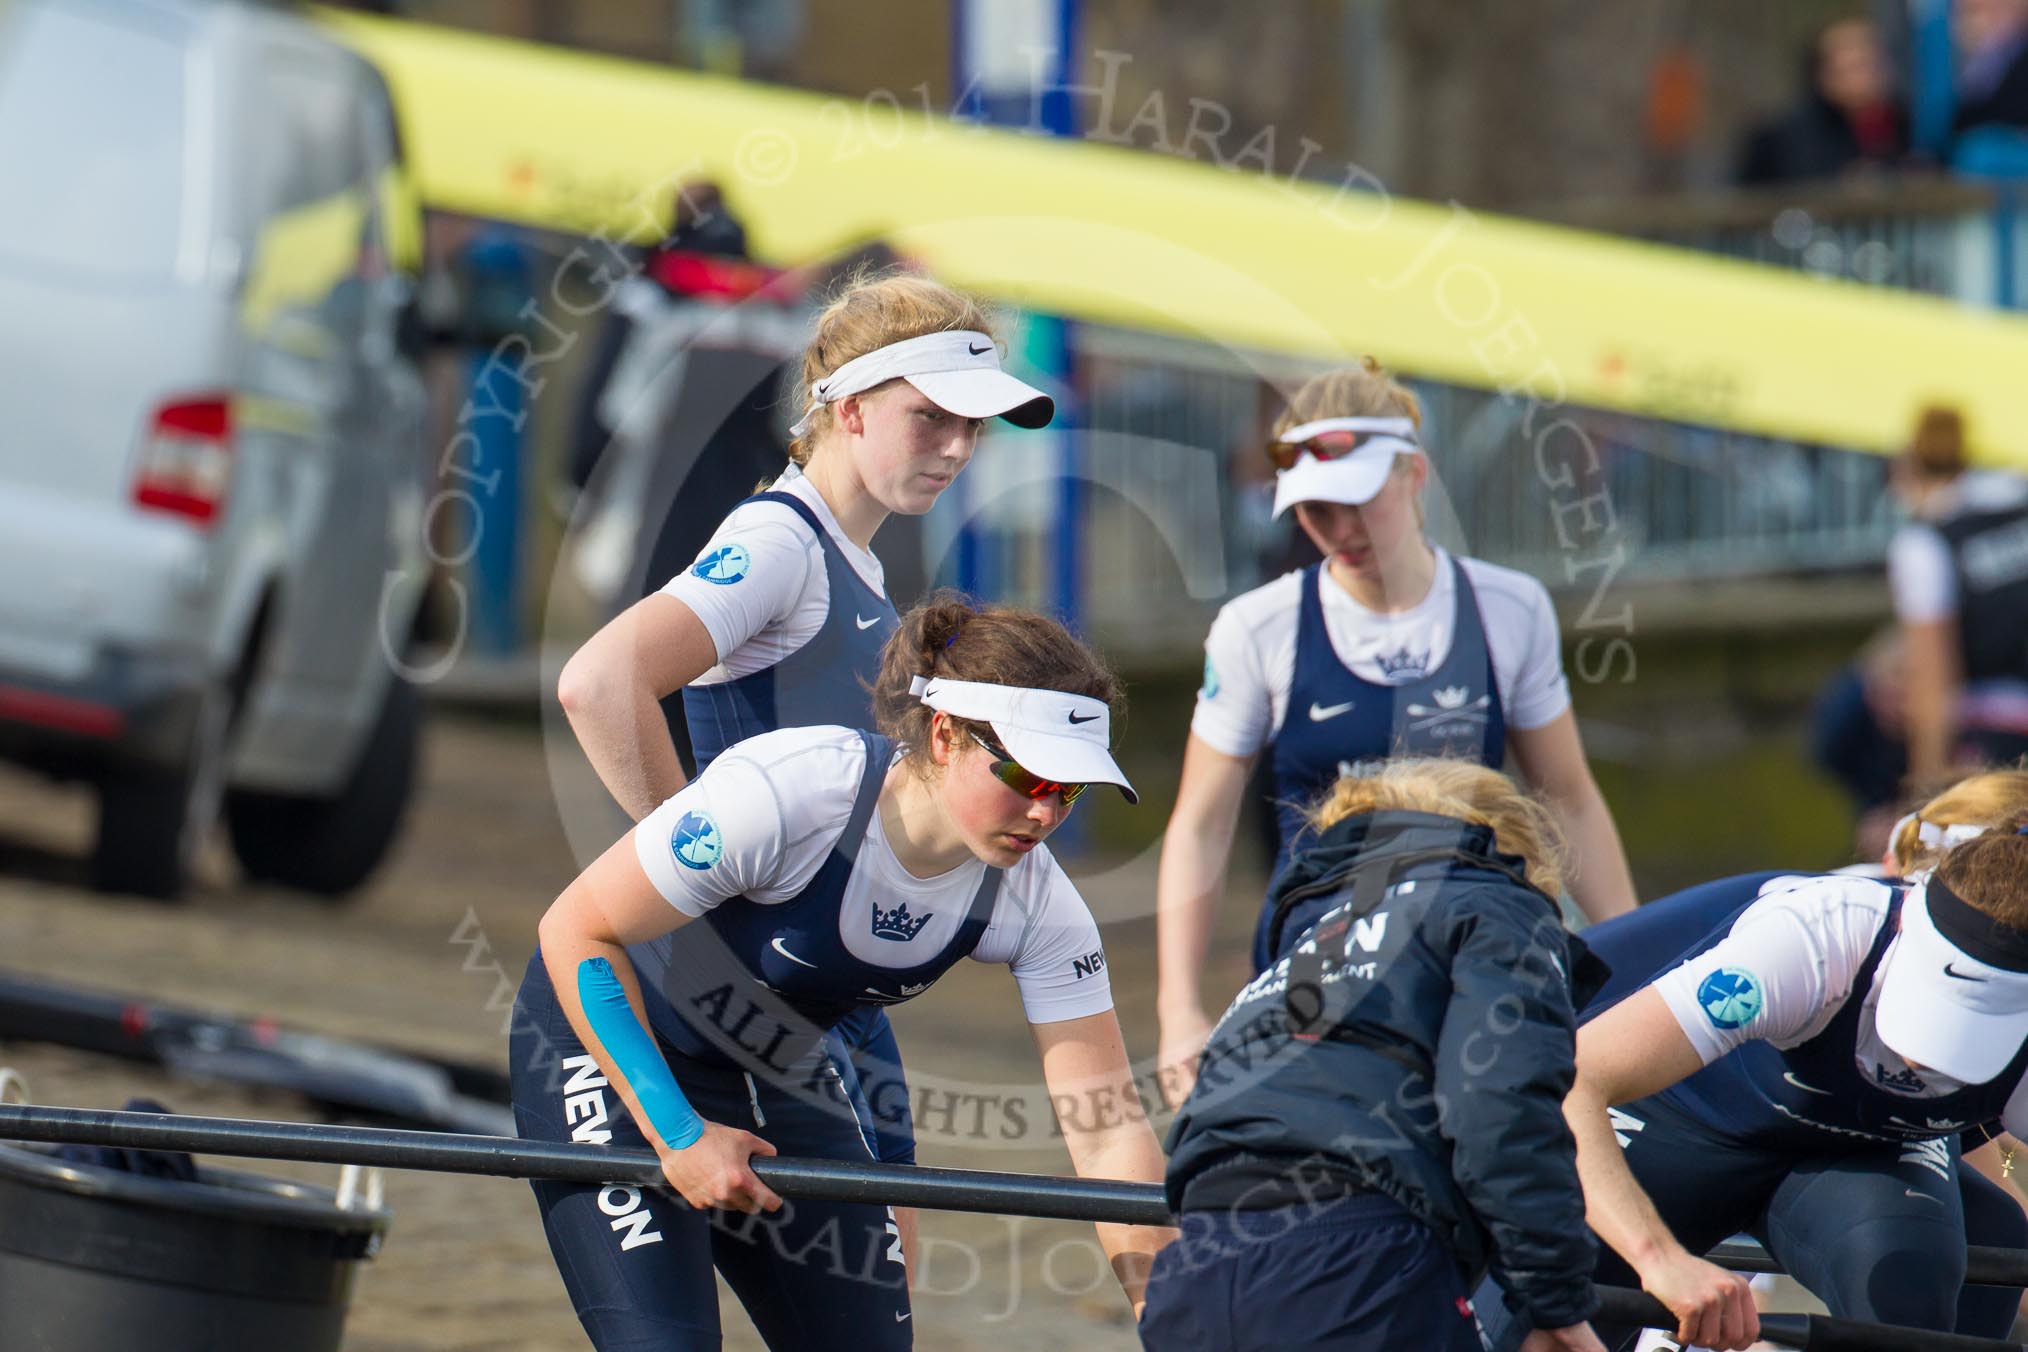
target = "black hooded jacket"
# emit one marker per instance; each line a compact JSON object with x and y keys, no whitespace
{"x":1415,"y":1038}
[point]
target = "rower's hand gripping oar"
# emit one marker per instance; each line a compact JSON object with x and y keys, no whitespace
{"x":1807,"y":1332}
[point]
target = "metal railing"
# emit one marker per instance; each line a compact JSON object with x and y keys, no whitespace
{"x":1676,"y":503}
{"x":1938,"y":236}
{"x":1180,"y":519}
{"x":1175,"y":513}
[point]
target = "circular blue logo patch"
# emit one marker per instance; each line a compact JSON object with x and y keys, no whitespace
{"x":724,"y":566}
{"x":1210,"y":680}
{"x":1730,"y":997}
{"x":696,"y":841}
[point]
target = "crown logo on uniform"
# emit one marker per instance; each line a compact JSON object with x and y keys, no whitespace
{"x":1401,"y":664}
{"x":1452,"y":697}
{"x":898,"y":924}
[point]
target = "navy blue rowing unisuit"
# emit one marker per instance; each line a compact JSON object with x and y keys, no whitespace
{"x":826,"y":681}
{"x":789,"y":960}
{"x":637,"y":1262}
{"x":746,"y":995}
{"x":1337,"y":720}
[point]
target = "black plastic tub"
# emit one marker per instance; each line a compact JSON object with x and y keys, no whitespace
{"x":93,"y":1258}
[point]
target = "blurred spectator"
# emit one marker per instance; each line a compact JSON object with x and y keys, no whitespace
{"x":1847,"y":118}
{"x":702,"y":254}
{"x":1959,"y":575}
{"x":676,"y":421}
{"x":1992,"y":42}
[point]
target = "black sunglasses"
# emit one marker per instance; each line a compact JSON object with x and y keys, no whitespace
{"x":1009,"y":772}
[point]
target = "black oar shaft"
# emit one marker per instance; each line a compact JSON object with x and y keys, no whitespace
{"x":572,"y":1162}
{"x":1985,"y":1264}
{"x":1040,"y":1196}
{"x":1622,"y":1306}
{"x":1805,"y":1332}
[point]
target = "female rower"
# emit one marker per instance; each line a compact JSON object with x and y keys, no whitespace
{"x":1388,"y":646}
{"x":807,"y":874}
{"x":1798,"y":1058}
{"x":780,"y":621}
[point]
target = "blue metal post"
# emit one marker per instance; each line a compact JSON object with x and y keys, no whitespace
{"x":1056,"y":355}
{"x":1022,"y":96}
{"x":1050,"y":351}
{"x":495,"y":417}
{"x":964,"y":86}
{"x":1932,"y":77}
{"x":2006,"y":218}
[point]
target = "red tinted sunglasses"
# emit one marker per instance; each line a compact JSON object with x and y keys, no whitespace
{"x":1008,"y":772}
{"x":1334,"y":445}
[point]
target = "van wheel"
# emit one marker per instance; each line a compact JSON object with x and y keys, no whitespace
{"x":154,"y":821}
{"x":329,"y":846}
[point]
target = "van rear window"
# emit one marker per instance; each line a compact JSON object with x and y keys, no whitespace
{"x":92,"y":166}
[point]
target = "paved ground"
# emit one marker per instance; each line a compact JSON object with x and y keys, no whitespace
{"x":426,"y":958}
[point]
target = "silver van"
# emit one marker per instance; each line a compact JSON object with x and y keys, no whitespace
{"x":211,"y":435}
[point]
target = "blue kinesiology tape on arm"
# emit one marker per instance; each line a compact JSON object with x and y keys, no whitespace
{"x":634,"y":1056}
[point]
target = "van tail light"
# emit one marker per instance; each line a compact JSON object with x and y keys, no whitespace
{"x":186,"y":460}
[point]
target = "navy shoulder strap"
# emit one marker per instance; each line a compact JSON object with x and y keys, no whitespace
{"x":879,"y":753}
{"x":1310,"y":598}
{"x":981,"y":912}
{"x":794,"y":504}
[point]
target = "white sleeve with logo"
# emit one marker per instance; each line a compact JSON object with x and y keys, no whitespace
{"x":719,"y":837}
{"x":1044,"y":932}
{"x":752,"y":575}
{"x":1249,"y":662}
{"x":1785,"y":969}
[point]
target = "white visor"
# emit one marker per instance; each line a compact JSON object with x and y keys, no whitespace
{"x":1049,"y":733}
{"x":1939,"y":839}
{"x":1353,"y":479}
{"x":959,"y":371}
{"x":1942,"y":1008}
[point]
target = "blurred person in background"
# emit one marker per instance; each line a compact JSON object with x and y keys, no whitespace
{"x":811,"y":873}
{"x":678,"y":420}
{"x":1992,"y":43}
{"x":1387,"y":646}
{"x":779,"y":622}
{"x":1806,"y":1060}
{"x":1959,"y":576}
{"x":1312,"y":1165}
{"x":1859,"y":736}
{"x":704,"y":253}
{"x":1846,"y":120}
